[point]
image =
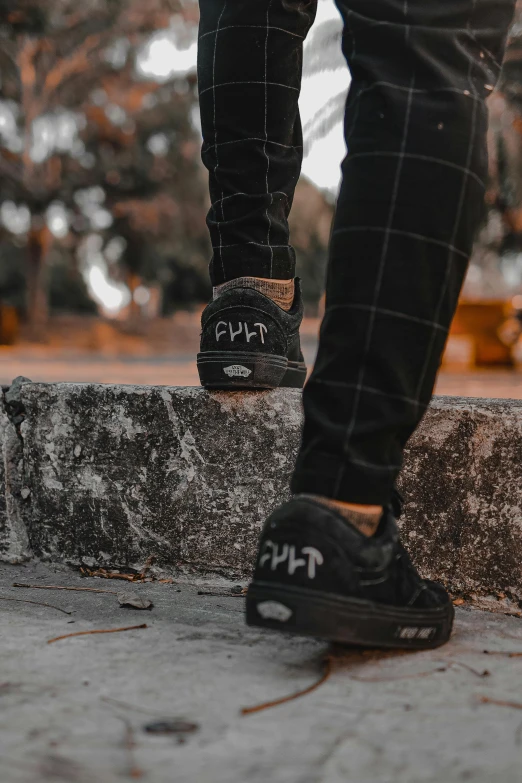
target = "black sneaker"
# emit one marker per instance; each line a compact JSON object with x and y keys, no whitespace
{"x":249,"y":342}
{"x":316,"y":575}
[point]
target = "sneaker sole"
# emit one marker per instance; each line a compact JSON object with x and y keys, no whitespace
{"x":234,"y":370}
{"x":332,"y":617}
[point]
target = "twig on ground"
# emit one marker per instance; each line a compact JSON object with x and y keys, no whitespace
{"x":267,"y":705}
{"x":505,"y":653}
{"x":506,"y":635}
{"x":124,"y":705}
{"x":399,"y":677}
{"x":36,"y":603}
{"x":221,"y":594}
{"x":103,"y":630}
{"x":129,"y":743}
{"x":60,"y":587}
{"x":486,"y":700}
{"x":484,"y":673}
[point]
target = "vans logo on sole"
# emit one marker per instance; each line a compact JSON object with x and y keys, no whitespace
{"x":237,"y":371}
{"x":273,"y":610}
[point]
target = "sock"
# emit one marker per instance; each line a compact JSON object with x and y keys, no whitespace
{"x":366,"y":521}
{"x":281,"y":292}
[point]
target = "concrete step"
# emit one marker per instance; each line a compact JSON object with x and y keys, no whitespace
{"x":109,"y":475}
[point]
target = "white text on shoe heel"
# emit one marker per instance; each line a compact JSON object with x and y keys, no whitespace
{"x":222,"y":327}
{"x":274,"y":554}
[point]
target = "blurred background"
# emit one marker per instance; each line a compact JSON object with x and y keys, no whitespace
{"x":103,"y":243}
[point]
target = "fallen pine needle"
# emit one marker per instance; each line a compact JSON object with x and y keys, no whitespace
{"x":123,"y":705}
{"x":500,"y":703}
{"x":483,"y":673}
{"x":61,"y":587}
{"x":505,"y":653}
{"x":129,"y":744}
{"x":104,"y":630}
{"x":36,"y":603}
{"x":398,"y":677}
{"x":267,"y":705}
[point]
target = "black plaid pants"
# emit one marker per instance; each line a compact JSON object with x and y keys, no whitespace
{"x":410,"y":202}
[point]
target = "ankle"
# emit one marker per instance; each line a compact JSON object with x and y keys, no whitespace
{"x":364,"y":518}
{"x":282,"y":292}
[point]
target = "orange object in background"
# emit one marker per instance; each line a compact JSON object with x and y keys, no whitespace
{"x":480,"y":324}
{"x":9,"y":324}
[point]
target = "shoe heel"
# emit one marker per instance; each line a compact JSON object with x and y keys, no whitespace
{"x":359,"y":623}
{"x":295,"y":376}
{"x":234,"y":370}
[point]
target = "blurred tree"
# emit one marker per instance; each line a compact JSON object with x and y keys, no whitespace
{"x":496,"y":266}
{"x":67,"y":288}
{"x":96,"y":135}
{"x":310,"y":221}
{"x":99,"y":146}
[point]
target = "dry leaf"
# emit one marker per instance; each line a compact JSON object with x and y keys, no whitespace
{"x":284,"y":699}
{"x":101,"y":630}
{"x":134,"y":601}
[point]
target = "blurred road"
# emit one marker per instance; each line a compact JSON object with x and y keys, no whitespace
{"x":181,"y":371}
{"x":167,"y":357}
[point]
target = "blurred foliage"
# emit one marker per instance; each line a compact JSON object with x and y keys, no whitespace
{"x":100,"y":155}
{"x":496,"y":266}
{"x":12,"y":281}
{"x":100,"y":163}
{"x":67,"y":289}
{"x":99,"y":145}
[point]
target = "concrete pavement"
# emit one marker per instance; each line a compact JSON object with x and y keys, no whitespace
{"x":76,"y":710}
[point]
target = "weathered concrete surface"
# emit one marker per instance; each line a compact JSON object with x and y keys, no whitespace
{"x":71,"y":709}
{"x":114,"y":474}
{"x":14,"y":543}
{"x":462,"y":480}
{"x":118,"y":473}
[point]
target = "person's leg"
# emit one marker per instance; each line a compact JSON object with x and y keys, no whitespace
{"x":410,"y":203}
{"x":411,"y":200}
{"x":249,"y":74}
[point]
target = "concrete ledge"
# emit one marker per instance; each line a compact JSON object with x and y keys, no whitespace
{"x":110,"y":475}
{"x":14,"y":542}
{"x":118,"y":473}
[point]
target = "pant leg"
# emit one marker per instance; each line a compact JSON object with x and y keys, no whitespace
{"x":410,"y":203}
{"x":249,"y":74}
